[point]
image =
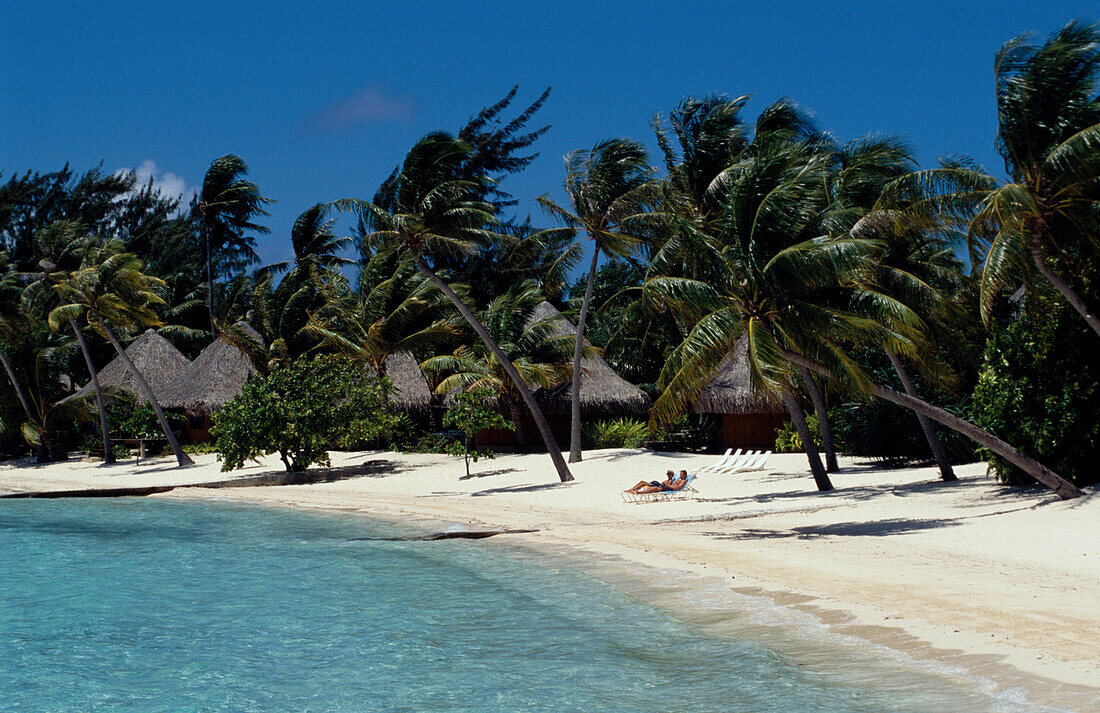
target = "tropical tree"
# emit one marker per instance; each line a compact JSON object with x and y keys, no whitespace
{"x":604,"y":186}
{"x":396,"y":309}
{"x":1044,"y":217}
{"x":800,"y":302}
{"x":11,"y":320}
{"x":435,"y":213}
{"x":225,"y":208}
{"x":111,"y":290}
{"x":47,"y":412}
{"x":64,"y":246}
{"x":531,"y":344}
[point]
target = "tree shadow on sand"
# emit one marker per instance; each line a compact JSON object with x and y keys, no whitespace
{"x":488,"y":473}
{"x":877,"y":528}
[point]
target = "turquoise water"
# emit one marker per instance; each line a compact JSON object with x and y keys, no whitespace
{"x":144,"y":605}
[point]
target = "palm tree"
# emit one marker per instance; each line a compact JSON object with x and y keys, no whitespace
{"x":1044,"y":217}
{"x":396,"y":309}
{"x":530,"y":343}
{"x":46,"y":412}
{"x":434,"y":214}
{"x":800,"y":302}
{"x":64,"y":246}
{"x":12,"y":318}
{"x":226,"y":208}
{"x":110,"y":288}
{"x":603,"y":185}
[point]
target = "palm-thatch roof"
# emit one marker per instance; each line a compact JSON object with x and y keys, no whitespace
{"x":410,"y":388}
{"x":217,"y":375}
{"x":603,"y":392}
{"x":159,"y":362}
{"x":730,"y":389}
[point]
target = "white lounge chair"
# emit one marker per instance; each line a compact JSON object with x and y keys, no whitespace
{"x":753,"y":464}
{"x":721,"y":462}
{"x":738,"y":463}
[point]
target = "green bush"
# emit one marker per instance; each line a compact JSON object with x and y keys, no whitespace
{"x":615,"y":433}
{"x":130,"y":419}
{"x":199,"y":448}
{"x":470,"y":414}
{"x":787,"y":439}
{"x":1039,"y":389}
{"x":300,"y":411}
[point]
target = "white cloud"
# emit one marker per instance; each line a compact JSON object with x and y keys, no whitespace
{"x":167,"y":184}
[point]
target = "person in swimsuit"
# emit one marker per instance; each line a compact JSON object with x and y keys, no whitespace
{"x":669,"y":484}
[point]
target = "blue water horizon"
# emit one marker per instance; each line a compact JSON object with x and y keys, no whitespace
{"x":152,"y":605}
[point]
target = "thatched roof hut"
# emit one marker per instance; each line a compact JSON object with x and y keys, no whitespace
{"x":159,"y":362}
{"x":216,"y":376}
{"x":603,"y":392}
{"x":410,"y":389}
{"x":730,"y":389}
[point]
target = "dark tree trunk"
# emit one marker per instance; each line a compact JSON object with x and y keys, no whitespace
{"x":578,"y":349}
{"x":1063,"y":488}
{"x":525,"y":393}
{"x":209,"y":278}
{"x":516,"y":414}
{"x":946,"y":472}
{"x":15,"y":385}
{"x":108,"y":454}
{"x":181,"y":457}
{"x":1038,"y":254}
{"x":821,"y":478}
{"x":822,"y":419}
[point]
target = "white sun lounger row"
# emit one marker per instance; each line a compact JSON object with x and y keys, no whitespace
{"x":737,"y":462}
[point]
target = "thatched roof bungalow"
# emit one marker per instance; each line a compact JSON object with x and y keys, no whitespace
{"x":603,"y":392}
{"x":217,"y":375}
{"x":410,"y":389}
{"x":159,"y":362}
{"x":745,"y":419}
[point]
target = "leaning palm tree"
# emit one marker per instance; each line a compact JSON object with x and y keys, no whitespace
{"x":1044,"y":217}
{"x":110,"y":291}
{"x":530,"y":341}
{"x":604,"y":186}
{"x":435,"y":212}
{"x":64,"y":245}
{"x":799,"y":302}
{"x":12,"y":317}
{"x":47,"y":412}
{"x":226,"y":207}
{"x":396,"y":309}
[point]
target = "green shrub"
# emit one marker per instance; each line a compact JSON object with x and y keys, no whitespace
{"x":130,"y":419}
{"x":471,"y":414}
{"x":428,"y":443}
{"x":615,"y":433}
{"x":300,"y":411}
{"x":199,"y":448}
{"x":1039,"y":389}
{"x":787,"y":439}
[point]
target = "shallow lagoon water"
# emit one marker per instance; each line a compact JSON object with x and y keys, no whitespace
{"x":146,"y":605}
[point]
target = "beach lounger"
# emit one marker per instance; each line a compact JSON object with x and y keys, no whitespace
{"x":738,"y":463}
{"x":681,"y":494}
{"x":721,"y":462}
{"x":755,"y":463}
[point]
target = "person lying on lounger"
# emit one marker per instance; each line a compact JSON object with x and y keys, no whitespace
{"x":670,"y":484}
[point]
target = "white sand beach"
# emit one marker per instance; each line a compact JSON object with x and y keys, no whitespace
{"x":1005,"y":583}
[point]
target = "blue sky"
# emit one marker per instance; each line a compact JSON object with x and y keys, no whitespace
{"x":323,"y":99}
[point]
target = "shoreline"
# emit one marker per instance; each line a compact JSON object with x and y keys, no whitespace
{"x":970,"y":575}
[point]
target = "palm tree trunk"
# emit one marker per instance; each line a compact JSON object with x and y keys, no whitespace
{"x":1038,"y":254}
{"x":1063,"y":488}
{"x":575,"y":387}
{"x":15,"y":385}
{"x":822,"y":419}
{"x":808,"y":446}
{"x":946,"y":472}
{"x":525,"y":393}
{"x":209,"y":279}
{"x":181,"y":457}
{"x":108,"y":454}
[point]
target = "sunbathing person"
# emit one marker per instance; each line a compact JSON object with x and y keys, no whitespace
{"x":653,"y":486}
{"x":669,"y":485}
